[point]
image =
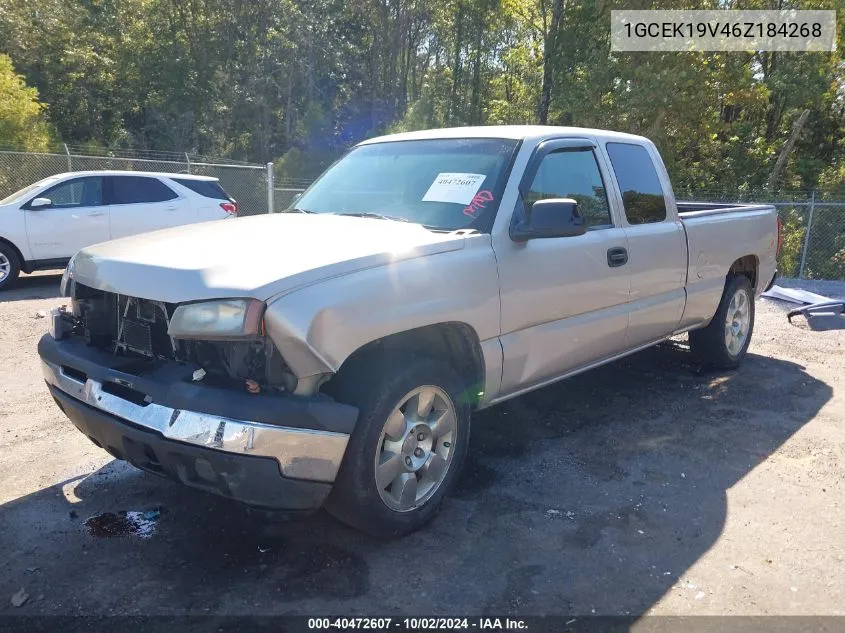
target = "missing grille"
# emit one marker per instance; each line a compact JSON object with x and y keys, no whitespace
{"x":137,"y":337}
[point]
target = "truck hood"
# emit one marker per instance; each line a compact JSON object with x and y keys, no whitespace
{"x":259,"y":256}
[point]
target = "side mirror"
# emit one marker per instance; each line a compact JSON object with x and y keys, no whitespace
{"x":554,"y":217}
{"x":40,"y":203}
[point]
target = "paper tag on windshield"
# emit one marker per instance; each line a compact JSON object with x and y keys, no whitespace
{"x":454,"y":187}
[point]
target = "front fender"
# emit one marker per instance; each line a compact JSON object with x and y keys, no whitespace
{"x":318,"y":327}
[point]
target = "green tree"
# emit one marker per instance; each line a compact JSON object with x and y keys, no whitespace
{"x":22,"y":119}
{"x":305,"y":79}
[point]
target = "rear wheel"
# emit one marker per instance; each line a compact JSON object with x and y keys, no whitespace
{"x":724,"y":342}
{"x":10,"y":266}
{"x":407,"y":448}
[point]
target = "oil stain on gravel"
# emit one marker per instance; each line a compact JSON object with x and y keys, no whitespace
{"x":124,"y":523}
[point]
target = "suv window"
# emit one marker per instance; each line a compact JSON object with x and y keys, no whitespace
{"x":573,"y":173}
{"x":137,"y":189}
{"x":206,"y":188}
{"x":78,"y":192}
{"x":642,"y":195}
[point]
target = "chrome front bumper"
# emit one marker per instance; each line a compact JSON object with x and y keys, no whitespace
{"x":301,"y":453}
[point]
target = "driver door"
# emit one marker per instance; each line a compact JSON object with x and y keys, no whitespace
{"x":564,"y":301}
{"x":75,"y":218}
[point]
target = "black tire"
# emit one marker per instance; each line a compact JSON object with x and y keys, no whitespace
{"x":708,"y":344}
{"x":8,"y":254}
{"x":376,"y":388}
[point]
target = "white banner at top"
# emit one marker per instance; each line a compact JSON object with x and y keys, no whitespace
{"x":723,"y":30}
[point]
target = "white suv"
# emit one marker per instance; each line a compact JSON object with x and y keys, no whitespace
{"x":44,"y":224}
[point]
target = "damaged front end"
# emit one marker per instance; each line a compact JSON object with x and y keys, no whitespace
{"x":195,"y":392}
{"x":225,"y":339}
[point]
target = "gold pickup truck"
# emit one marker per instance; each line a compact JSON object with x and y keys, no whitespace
{"x":333,"y":354}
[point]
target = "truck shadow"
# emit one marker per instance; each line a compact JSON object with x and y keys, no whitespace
{"x":593,"y":495}
{"x":37,"y":286}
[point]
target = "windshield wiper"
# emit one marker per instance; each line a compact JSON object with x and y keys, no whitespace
{"x":369,"y":214}
{"x":297,"y":210}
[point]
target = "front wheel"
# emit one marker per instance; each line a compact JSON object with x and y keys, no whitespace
{"x":10,"y":267}
{"x":408,"y":446}
{"x":724,"y":342}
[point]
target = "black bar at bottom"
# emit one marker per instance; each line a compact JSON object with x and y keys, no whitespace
{"x":534,"y":624}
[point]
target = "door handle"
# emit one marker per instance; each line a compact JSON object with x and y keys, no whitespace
{"x":96,"y":215}
{"x":617,"y":256}
{"x":173,"y":208}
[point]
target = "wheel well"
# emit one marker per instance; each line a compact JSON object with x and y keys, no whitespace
{"x":21,"y":262}
{"x":454,"y":343}
{"x":746,"y":265}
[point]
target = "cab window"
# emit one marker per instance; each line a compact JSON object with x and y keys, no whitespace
{"x":573,"y":173}
{"x":642,"y":194}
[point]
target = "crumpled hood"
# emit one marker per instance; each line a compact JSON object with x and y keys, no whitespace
{"x":259,"y":256}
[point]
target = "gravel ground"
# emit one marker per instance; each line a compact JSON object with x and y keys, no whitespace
{"x":646,"y":486}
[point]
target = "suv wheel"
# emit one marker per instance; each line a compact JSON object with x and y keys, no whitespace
{"x":10,"y":267}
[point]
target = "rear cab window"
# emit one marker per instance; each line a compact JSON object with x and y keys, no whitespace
{"x":138,"y":189}
{"x":639,"y":184}
{"x":206,"y":188}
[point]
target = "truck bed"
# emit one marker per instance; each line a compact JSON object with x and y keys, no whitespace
{"x":719,"y":234}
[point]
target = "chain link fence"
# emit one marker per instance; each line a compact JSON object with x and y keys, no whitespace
{"x":249,"y":184}
{"x":813,"y":229}
{"x":286,"y":191}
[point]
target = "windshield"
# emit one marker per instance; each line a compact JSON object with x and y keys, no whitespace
{"x":445,"y":184}
{"x":22,"y":192}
